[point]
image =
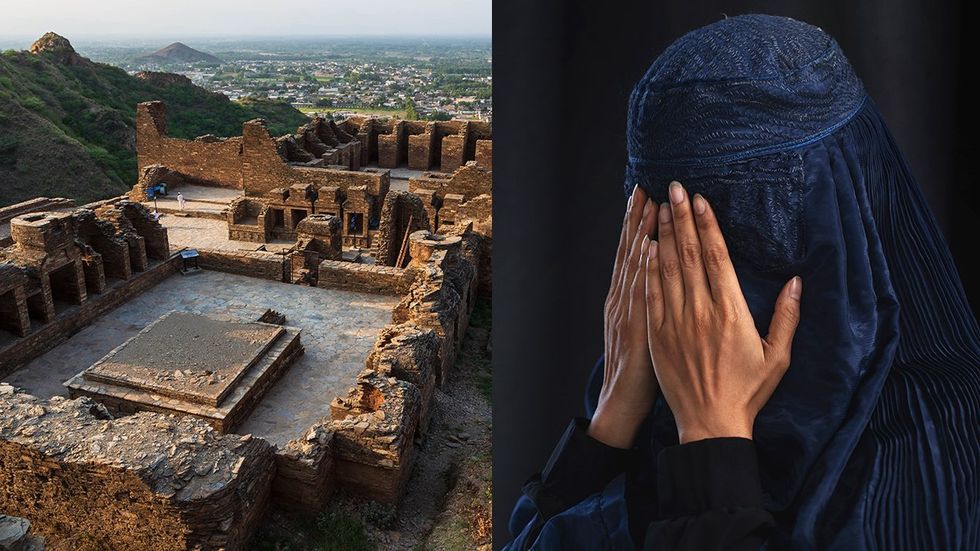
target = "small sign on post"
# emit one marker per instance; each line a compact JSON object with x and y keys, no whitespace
{"x":189,"y":257}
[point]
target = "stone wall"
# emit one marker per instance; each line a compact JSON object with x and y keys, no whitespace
{"x":264,"y":170}
{"x":146,"y":481}
{"x":484,"y":154}
{"x":38,"y":204}
{"x":375,"y":423}
{"x":318,"y":238}
{"x":260,"y":264}
{"x":422,"y":145}
{"x":420,"y":138}
{"x":366,"y":446}
{"x":364,"y":278}
{"x":51,"y":334}
{"x":324,"y":139}
{"x":402,"y":213}
{"x":374,"y":429}
{"x":152,"y":175}
{"x":392,"y":144}
{"x":469,"y":181}
{"x":305,"y":477}
{"x":83,"y":259}
{"x":247,"y":221}
{"x":214,"y":162}
{"x":409,"y":353}
{"x":133,"y":221}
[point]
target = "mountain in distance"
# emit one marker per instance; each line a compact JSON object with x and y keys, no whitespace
{"x":68,"y":124}
{"x":177,"y":52}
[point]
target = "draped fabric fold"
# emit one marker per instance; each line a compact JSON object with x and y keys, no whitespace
{"x":872,"y":439}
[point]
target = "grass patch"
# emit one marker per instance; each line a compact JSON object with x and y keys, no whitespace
{"x":380,"y":111}
{"x":466,"y":522}
{"x":94,"y":106}
{"x":332,"y":530}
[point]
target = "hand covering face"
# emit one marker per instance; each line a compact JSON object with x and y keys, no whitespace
{"x":872,"y":439}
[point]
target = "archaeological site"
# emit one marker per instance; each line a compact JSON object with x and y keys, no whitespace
{"x":259,"y":322}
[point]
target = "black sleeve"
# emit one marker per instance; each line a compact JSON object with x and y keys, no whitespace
{"x":579,"y":467}
{"x":710,"y":497}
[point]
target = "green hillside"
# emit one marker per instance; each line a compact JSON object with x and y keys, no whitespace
{"x":67,"y":123}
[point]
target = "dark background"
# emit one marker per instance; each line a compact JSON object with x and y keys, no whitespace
{"x":563,"y":71}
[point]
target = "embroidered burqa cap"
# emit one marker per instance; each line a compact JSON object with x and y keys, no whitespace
{"x":872,"y":439}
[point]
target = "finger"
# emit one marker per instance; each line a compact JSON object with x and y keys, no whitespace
{"x":644,"y":228}
{"x":717,"y":263}
{"x":785,"y":320}
{"x":654,"y":287}
{"x":688,"y":246}
{"x":631,"y":219}
{"x":670,"y":268}
{"x":638,"y":307}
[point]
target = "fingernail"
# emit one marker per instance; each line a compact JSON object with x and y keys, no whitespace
{"x":676,"y":193}
{"x":699,"y":205}
{"x":664,"y":213}
{"x":647,"y":207}
{"x":636,"y":191}
{"x":796,"y":288}
{"x":644,"y":244}
{"x":654,"y":247}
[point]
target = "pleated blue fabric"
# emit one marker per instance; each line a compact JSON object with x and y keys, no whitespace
{"x":872,"y":439}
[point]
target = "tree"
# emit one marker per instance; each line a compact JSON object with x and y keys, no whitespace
{"x":410,"y":112}
{"x":439,"y":116}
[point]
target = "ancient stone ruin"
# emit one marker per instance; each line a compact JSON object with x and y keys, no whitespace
{"x":174,"y":406}
{"x":341,"y":169}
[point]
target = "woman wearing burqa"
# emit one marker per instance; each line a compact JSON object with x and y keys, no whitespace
{"x":839,"y":409}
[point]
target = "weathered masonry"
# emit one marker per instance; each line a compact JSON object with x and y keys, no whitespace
{"x":141,"y":445}
{"x":339,"y":169}
{"x":174,"y":411}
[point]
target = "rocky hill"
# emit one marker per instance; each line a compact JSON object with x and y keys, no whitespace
{"x":177,"y":53}
{"x":67,"y":124}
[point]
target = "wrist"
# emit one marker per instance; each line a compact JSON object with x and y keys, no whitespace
{"x":614,"y":429}
{"x":740,"y":429}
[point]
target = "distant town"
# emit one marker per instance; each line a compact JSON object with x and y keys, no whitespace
{"x":432,"y":79}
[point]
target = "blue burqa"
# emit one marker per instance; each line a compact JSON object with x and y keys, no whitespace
{"x":872,"y":439}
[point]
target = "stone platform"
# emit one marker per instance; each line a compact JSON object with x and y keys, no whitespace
{"x":191,"y":364}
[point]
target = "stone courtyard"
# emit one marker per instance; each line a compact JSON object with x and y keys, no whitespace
{"x":338,"y":331}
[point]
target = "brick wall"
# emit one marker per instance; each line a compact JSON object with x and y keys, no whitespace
{"x":264,"y":170}
{"x":420,"y":137}
{"x":147,"y":481}
{"x":37,"y":204}
{"x":206,"y":162}
{"x":365,"y":278}
{"x":50,"y":335}
{"x":260,"y":264}
{"x":484,"y":154}
{"x":305,"y":471}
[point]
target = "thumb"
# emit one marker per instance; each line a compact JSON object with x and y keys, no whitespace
{"x":785,"y":319}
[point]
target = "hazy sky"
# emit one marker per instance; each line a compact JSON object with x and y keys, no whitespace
{"x":88,"y":19}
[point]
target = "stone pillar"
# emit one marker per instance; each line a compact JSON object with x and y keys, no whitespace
{"x":321,"y":232}
{"x":484,"y":154}
{"x":423,"y":244}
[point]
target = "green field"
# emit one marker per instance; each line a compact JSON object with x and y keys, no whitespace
{"x":396,"y":113}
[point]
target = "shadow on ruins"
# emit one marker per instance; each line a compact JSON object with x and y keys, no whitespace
{"x":340,"y":268}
